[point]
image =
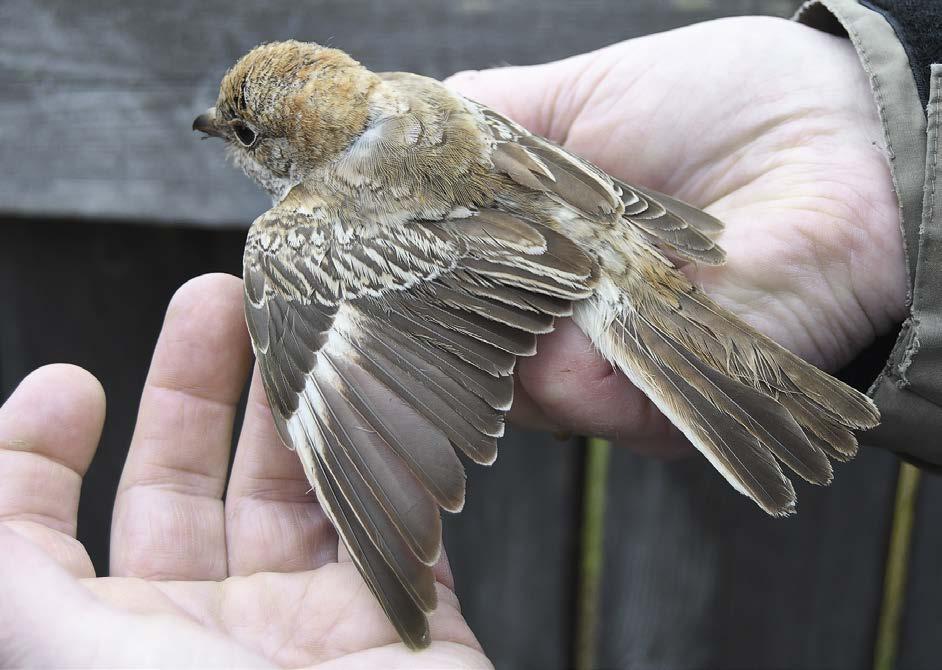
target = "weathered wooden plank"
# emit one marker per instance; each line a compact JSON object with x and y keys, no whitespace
{"x":698,"y":577}
{"x":513,"y":551}
{"x":96,"y":98}
{"x":921,"y":628}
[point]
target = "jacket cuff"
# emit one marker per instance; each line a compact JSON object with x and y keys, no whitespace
{"x":909,"y":389}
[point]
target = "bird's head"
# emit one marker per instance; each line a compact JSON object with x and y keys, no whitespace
{"x":286,"y":108}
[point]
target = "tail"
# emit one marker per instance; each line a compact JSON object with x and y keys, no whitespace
{"x":745,"y":402}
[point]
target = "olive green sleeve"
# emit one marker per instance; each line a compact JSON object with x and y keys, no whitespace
{"x":909,"y":389}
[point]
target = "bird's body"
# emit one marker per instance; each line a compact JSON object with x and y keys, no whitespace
{"x":420,"y":242}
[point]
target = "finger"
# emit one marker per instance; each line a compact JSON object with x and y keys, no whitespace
{"x":525,"y":413}
{"x":571,"y":382}
{"x":49,"y":430}
{"x":542,"y":98}
{"x":273,"y":521}
{"x":168,"y":519}
{"x":528,"y":414}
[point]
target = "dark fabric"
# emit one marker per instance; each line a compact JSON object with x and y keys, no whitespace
{"x":867,"y":366}
{"x":918,"y":24}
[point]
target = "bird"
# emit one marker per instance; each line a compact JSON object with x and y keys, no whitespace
{"x":418,"y":244}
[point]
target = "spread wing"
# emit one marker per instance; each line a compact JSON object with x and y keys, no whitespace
{"x":684,"y":232}
{"x":740,"y":398}
{"x":383,"y":355}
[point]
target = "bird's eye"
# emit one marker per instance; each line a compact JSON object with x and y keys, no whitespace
{"x":245,"y":134}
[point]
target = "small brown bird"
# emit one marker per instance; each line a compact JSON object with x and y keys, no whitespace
{"x":419,"y":242}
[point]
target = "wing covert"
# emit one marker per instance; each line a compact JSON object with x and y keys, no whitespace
{"x":538,"y":164}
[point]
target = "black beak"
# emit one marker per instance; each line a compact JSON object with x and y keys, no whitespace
{"x":206,"y":123}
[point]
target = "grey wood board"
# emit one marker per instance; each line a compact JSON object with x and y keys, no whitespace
{"x":696,"y":576}
{"x":97,"y":98}
{"x":514,"y":551}
{"x":921,"y":626}
{"x":95,"y":295}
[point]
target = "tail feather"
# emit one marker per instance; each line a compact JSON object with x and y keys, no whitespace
{"x":830,"y":395}
{"x":766,"y":420}
{"x":727,"y":443}
{"x":744,"y":401}
{"x":831,"y":436}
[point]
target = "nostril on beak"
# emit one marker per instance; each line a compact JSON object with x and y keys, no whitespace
{"x":206,"y":123}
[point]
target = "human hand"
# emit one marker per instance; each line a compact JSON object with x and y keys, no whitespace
{"x":770,"y":126}
{"x":249,"y":580}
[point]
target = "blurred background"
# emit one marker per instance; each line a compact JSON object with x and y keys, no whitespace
{"x":108,"y":203}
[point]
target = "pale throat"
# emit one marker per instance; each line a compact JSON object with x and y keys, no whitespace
{"x":277,"y":186}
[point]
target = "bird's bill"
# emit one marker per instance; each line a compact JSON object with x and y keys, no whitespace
{"x":206,"y":123}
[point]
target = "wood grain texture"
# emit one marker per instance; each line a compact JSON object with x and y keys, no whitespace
{"x":513,"y":551}
{"x":698,"y":578}
{"x":921,"y":626}
{"x":97,"y":98}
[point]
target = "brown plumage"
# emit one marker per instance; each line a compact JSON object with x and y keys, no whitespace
{"x":419,"y":242}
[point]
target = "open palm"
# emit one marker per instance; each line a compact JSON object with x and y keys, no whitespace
{"x":198,"y":580}
{"x":769,"y":125}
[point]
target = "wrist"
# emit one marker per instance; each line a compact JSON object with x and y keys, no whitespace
{"x":879,"y":272}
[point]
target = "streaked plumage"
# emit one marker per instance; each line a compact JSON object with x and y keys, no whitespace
{"x":418,"y":244}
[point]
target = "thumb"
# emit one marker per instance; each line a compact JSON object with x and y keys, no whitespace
{"x":543,"y":98}
{"x":606,"y":106}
